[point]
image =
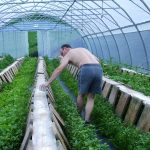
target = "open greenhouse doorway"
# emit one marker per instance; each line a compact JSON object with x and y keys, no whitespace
{"x":32,"y":39}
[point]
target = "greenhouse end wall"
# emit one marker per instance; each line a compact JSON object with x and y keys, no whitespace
{"x":49,"y":42}
{"x":14,"y":43}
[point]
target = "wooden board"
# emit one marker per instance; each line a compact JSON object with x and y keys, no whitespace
{"x":60,"y":131}
{"x":3,"y":78}
{"x":58,"y":135}
{"x":59,"y":145}
{"x":26,"y":139}
{"x":56,"y":114}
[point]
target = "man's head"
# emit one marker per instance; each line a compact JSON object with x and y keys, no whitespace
{"x":64,"y":49}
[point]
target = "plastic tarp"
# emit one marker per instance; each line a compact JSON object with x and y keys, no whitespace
{"x":14,"y":43}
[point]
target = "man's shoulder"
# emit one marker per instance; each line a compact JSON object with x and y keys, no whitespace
{"x":79,"y":48}
{"x":74,"y":50}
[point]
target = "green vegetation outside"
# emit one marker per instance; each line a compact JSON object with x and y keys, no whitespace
{"x":32,"y":38}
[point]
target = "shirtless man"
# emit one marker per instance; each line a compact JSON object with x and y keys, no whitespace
{"x":89,"y":79}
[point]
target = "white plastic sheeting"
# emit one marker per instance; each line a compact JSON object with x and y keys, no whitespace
{"x":117,"y":30}
{"x":49,"y":42}
{"x":14,"y":43}
{"x":103,"y":15}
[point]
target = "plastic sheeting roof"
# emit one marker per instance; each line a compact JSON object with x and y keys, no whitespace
{"x":88,"y":17}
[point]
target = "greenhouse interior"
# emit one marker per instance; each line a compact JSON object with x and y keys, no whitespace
{"x":74,"y":74}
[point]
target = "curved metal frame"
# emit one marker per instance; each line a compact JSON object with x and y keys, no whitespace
{"x":121,"y":33}
{"x":65,"y":7}
{"x":112,"y":36}
{"x":145,"y":51}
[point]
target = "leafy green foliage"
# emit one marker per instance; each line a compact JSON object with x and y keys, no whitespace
{"x":119,"y":132}
{"x":7,"y":60}
{"x":80,"y":136}
{"x":136,"y":81}
{"x":14,"y":100}
{"x":32,"y":36}
{"x":123,"y":136}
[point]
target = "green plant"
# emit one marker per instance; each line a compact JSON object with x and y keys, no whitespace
{"x":80,"y":136}
{"x":32,"y":36}
{"x":123,"y":136}
{"x":137,"y":82}
{"x":14,"y":99}
{"x":7,"y":60}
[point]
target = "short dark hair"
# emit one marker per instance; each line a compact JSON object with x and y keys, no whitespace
{"x":65,"y":45}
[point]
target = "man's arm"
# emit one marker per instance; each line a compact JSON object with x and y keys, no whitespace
{"x":57,"y":71}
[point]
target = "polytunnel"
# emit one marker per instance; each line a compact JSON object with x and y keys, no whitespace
{"x":32,"y":32}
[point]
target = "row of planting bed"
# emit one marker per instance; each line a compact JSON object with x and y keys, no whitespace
{"x":123,"y":135}
{"x":44,"y":123}
{"x":136,"y":81}
{"x":43,"y":129}
{"x":132,"y":106}
{"x":14,"y":99}
{"x":7,"y":74}
{"x":80,"y":137}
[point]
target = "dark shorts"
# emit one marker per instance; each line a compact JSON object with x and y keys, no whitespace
{"x":90,"y":79}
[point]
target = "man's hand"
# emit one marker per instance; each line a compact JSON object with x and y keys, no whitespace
{"x":44,"y":86}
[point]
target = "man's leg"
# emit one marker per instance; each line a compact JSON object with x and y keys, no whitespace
{"x":89,"y":106}
{"x":80,"y":102}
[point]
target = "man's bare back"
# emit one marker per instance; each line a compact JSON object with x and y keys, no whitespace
{"x":80,"y":56}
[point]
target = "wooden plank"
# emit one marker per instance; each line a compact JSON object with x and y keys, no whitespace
{"x":106,"y":90}
{"x":1,"y":81}
{"x":26,"y":139}
{"x":75,"y":72}
{"x":103,"y":84}
{"x":58,"y":136}
{"x":17,"y":65}
{"x":29,"y":146}
{"x":113,"y":97}
{"x":56,"y":114}
{"x":122,"y":105}
{"x":10,"y":74}
{"x":125,"y":70}
{"x":3,"y":78}
{"x":59,"y":145}
{"x":133,"y":110}
{"x":72,"y":70}
{"x":61,"y":131}
{"x":50,"y":95}
{"x":30,"y":119}
{"x":14,"y":69}
{"x":7,"y":77}
{"x":76,"y":75}
{"x":144,"y":121}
